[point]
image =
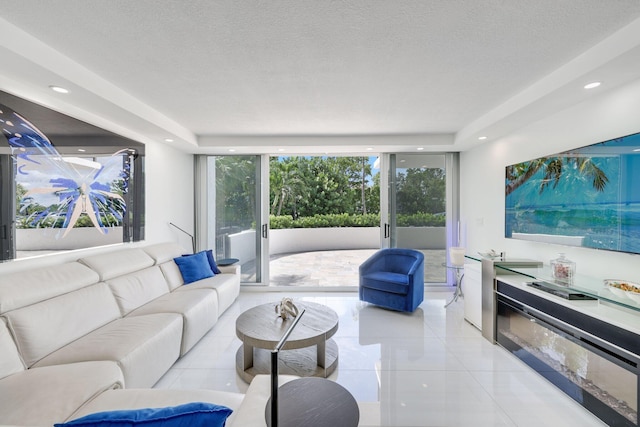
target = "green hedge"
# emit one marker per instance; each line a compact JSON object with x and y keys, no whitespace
{"x":346,"y":220}
{"x":421,"y":220}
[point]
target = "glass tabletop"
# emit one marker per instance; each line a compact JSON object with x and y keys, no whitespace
{"x":592,"y":286}
{"x":454,"y":267}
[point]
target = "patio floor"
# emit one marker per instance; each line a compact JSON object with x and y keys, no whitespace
{"x":338,"y":268}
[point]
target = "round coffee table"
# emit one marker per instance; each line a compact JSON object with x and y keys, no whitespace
{"x":309,"y":351}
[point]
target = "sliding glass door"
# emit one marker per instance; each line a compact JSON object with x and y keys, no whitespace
{"x":233,"y":218}
{"x":421,"y":207}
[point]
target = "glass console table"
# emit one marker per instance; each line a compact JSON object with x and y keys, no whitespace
{"x":588,"y":286}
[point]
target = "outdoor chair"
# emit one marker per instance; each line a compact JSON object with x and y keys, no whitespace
{"x":393,"y":278}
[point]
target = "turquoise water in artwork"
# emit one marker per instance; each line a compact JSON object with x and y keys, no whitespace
{"x":563,"y":198}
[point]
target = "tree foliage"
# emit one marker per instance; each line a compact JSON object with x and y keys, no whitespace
{"x":319,"y":191}
{"x":307,"y":186}
{"x":235,"y":191}
{"x":421,"y":191}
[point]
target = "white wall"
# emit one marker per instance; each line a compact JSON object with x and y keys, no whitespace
{"x":170,"y":194}
{"x":602,"y":117}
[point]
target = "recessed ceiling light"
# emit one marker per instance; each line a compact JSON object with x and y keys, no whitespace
{"x":482,"y":138}
{"x":636,"y":150}
{"x":82,"y":150}
{"x":231,"y":150}
{"x":420,"y":148}
{"x":402,"y":160}
{"x":59,"y":89}
{"x":369,"y":148}
{"x":168,"y":140}
{"x":281,"y":149}
{"x":592,"y":85}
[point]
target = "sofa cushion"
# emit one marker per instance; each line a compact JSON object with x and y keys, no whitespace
{"x":146,"y":398}
{"x":199,"y":310}
{"x":113,"y":264}
{"x":194,"y":267}
{"x":172,"y":274}
{"x":43,"y":396}
{"x":10,"y":361}
{"x":43,"y":328}
{"x":31,"y":286}
{"x":163,"y":252}
{"x":227,"y":286}
{"x":174,"y":278}
{"x":192,"y":414}
{"x":144,"y":347}
{"x":135,"y":289}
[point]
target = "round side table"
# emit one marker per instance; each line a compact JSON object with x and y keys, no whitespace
{"x":314,"y":402}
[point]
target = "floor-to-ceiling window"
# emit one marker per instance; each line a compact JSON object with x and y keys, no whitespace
{"x":303,"y":221}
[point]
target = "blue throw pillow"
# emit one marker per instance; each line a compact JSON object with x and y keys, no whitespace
{"x":196,"y":414}
{"x":212,"y":262}
{"x":194,"y":267}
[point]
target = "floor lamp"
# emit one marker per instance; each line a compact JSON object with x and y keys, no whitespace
{"x":193,"y":239}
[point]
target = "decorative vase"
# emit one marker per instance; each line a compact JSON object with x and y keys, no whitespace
{"x":456,"y":256}
{"x":563,"y":269}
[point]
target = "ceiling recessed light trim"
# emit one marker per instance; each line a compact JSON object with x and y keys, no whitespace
{"x":592,"y":85}
{"x":168,"y":140}
{"x":58,"y":89}
{"x":482,"y":138}
{"x":420,"y":148}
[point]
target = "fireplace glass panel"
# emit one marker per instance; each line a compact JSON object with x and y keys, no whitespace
{"x":604,"y":383}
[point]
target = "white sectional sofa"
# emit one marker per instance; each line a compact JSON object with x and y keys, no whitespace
{"x":95,"y":334}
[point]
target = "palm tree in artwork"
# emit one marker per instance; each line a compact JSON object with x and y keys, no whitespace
{"x":552,"y":169}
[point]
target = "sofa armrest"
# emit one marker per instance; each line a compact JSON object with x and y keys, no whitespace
{"x":47,"y":395}
{"x":251,"y":411}
{"x":229,"y":269}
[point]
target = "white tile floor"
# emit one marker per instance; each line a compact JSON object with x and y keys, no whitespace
{"x":429,"y":368}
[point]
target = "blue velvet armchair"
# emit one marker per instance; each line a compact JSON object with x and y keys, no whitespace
{"x":393,"y":278}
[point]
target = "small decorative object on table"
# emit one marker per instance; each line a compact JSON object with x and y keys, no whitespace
{"x":624,"y":289}
{"x":492,"y":254}
{"x":563,"y":269}
{"x":286,"y":308}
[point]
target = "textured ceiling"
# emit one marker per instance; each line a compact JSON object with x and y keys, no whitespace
{"x":314,"y":67}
